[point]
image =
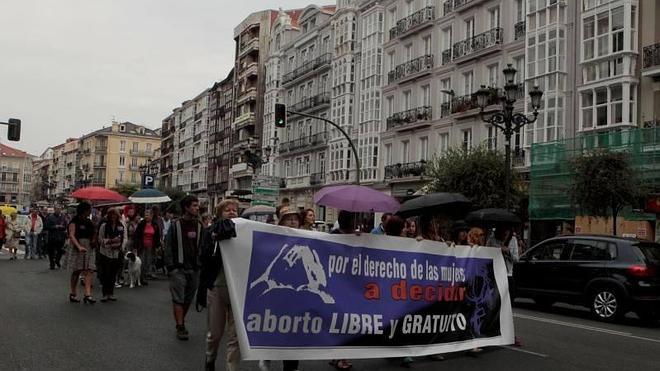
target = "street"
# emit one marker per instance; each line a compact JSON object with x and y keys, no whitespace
{"x":41,"y":330}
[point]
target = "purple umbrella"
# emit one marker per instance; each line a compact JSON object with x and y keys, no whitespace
{"x":356,"y":199}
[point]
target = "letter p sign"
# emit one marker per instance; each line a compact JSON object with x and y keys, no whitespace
{"x":148,"y":181}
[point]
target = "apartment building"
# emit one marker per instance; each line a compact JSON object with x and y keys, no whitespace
{"x":42,"y":187}
{"x":57,"y":170}
{"x":251,"y":37}
{"x":306,"y":88}
{"x":190,"y":146}
{"x":649,"y":45}
{"x":221,"y":97}
{"x":114,"y":155}
{"x":15,"y":176}
{"x":437,"y":55}
{"x":71,"y":172}
{"x":168,"y":128}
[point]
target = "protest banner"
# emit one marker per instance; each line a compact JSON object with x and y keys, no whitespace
{"x":298,"y":294}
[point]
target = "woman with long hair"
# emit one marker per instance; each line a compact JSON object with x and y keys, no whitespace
{"x":146,"y":242}
{"x":81,"y":259}
{"x":308,"y":217}
{"x":111,"y":238}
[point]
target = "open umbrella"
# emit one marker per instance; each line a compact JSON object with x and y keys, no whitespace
{"x":485,"y":216}
{"x":7,"y":210}
{"x":97,"y":194}
{"x":356,"y":199}
{"x":452,"y":204}
{"x":258,"y":210}
{"x":149,"y":196}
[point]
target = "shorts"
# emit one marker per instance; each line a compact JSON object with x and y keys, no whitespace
{"x":183,"y":285}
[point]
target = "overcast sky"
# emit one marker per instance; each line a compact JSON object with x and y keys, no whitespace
{"x":67,"y":67}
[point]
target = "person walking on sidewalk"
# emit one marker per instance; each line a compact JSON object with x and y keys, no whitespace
{"x":182,"y":247}
{"x":56,"y":227}
{"x":13,"y":235}
{"x":81,"y":256}
{"x":111,"y":239}
{"x":147,"y":240}
{"x":32,"y":230}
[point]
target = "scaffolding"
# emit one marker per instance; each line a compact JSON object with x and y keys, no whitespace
{"x":551,"y":173}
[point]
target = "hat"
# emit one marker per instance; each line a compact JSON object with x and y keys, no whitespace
{"x":286,"y":211}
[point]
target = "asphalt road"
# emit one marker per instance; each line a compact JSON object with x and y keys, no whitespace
{"x":41,"y":330}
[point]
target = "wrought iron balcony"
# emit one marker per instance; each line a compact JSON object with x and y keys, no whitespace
{"x":101,"y":149}
{"x":418,"y":18}
{"x":460,"y":3}
{"x":410,"y":116}
{"x":520,"y":29}
{"x":446,"y":57}
{"x":445,"y":109}
{"x":651,"y":60}
{"x":308,"y":142}
{"x":321,"y":61}
{"x":469,"y":102}
{"x":317,"y":179}
{"x":415,"y":66}
{"x":407,"y":170}
{"x":311,"y":102}
{"x":448,"y":6}
{"x":478,"y":43}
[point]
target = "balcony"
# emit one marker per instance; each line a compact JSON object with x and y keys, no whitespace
{"x":247,"y":94}
{"x":245,"y":119}
{"x":197,"y":137}
{"x":250,"y":69}
{"x":86,"y":151}
{"x":520,"y":29}
{"x":250,"y":45}
{"x":240,"y":170}
{"x":413,"y":22}
{"x":651,"y":61}
{"x":468,"y":102}
{"x":196,"y":161}
{"x":445,"y":109}
{"x":448,"y":7}
{"x":410,"y":118}
{"x":446,"y":57}
{"x":311,"y":102}
{"x":7,"y":169}
{"x":317,"y":179}
{"x":179,"y":166}
{"x":307,"y":143}
{"x":478,"y":43}
{"x":407,"y":170}
{"x":134,"y":167}
{"x":101,"y":149}
{"x":320,"y":62}
{"x":404,"y":71}
{"x":141,"y":153}
{"x":460,"y":5}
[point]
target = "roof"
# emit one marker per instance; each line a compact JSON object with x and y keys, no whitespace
{"x":12,"y":152}
{"x":131,"y":129}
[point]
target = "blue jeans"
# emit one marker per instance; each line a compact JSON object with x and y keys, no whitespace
{"x":31,"y":244}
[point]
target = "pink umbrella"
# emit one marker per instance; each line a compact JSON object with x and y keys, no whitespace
{"x":356,"y":199}
{"x":98,"y":194}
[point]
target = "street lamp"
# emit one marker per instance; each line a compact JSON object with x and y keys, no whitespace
{"x":507,"y":121}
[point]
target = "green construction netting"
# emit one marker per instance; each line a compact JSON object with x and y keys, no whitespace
{"x":551,"y":173}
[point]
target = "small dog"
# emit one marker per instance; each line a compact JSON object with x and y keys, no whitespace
{"x":134,"y":269}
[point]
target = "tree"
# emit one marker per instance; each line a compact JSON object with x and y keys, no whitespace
{"x":125,"y":189}
{"x":604,"y":183}
{"x":478,"y":173}
{"x":176,"y":195}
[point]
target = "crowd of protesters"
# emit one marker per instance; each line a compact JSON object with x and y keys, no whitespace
{"x":187,"y":250}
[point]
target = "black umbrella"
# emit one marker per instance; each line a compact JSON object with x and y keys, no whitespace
{"x":492,"y":216}
{"x":452,"y":204}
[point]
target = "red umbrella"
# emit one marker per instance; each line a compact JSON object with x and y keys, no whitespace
{"x":98,"y":194}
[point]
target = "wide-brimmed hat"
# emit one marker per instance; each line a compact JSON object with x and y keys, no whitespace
{"x":285,"y":212}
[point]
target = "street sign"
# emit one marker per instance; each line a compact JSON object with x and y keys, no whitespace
{"x":265,"y":191}
{"x":148,"y":181}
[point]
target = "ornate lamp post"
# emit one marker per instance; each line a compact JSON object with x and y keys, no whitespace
{"x":507,"y":121}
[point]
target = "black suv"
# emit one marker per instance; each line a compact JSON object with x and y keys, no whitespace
{"x":609,"y":275}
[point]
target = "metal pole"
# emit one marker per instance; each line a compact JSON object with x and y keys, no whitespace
{"x":507,"y":170}
{"x":350,"y":142}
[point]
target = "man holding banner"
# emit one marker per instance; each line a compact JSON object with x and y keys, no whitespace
{"x":305,"y":295}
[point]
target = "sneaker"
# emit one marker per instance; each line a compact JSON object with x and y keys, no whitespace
{"x":118,"y":285}
{"x":181,"y":332}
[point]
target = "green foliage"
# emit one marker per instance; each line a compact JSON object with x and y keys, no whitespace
{"x":125,"y":189}
{"x":477,"y":173}
{"x":604,"y":182}
{"x":176,"y":196}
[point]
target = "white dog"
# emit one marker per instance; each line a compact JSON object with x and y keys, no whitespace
{"x":134,"y":269}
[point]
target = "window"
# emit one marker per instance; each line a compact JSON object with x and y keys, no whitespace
{"x":405,"y":151}
{"x":136,"y":146}
{"x":410,"y":7}
{"x":492,"y":75}
{"x":593,"y":250}
{"x":520,"y":11}
{"x":121,"y":176}
{"x":468,"y":80}
{"x":388,"y":154}
{"x":443,"y":142}
{"x":469,"y":28}
{"x":492,"y":138}
{"x":519,"y":64}
{"x":426,"y":96}
{"x":122,"y":146}
{"x":467,"y":139}
{"x":122,"y":161}
{"x":494,"y":18}
{"x":409,"y":52}
{"x":148,"y":147}
{"x":390,"y":106}
{"x":134,"y":161}
{"x":427,"y":45}
{"x":407,"y":100}
{"x":556,"y":250}
{"x":423,"y":148}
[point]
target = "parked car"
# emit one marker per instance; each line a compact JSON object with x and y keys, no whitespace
{"x":609,"y":275}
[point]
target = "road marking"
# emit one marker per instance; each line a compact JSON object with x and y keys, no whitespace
{"x":585,"y":327}
{"x":525,"y":351}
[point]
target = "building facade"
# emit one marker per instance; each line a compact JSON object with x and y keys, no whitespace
{"x":15,"y":176}
{"x":42,"y":187}
{"x":168,"y":128}
{"x":649,"y":45}
{"x":115,"y":155}
{"x":221,"y":97}
{"x":190,"y":152}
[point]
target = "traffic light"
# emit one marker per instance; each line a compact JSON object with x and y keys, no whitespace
{"x":14,"y":131}
{"x":280,"y":115}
